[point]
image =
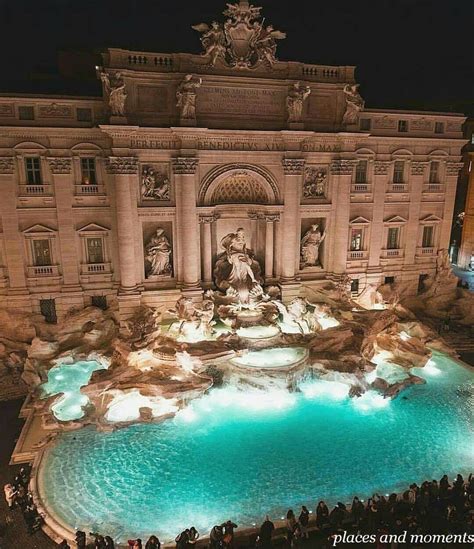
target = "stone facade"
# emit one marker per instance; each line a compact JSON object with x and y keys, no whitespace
{"x":86,"y":183}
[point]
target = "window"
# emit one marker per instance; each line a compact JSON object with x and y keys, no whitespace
{"x":356,"y":239}
{"x":26,"y":113}
{"x":48,"y":310}
{"x":365,"y":124}
{"x":439,"y":127}
{"x":361,"y":171}
{"x":355,"y":285}
{"x":393,"y":238}
{"x":95,"y":250}
{"x":402,"y":125}
{"x":389,"y":280}
{"x":83,"y":115}
{"x":99,"y":301}
{"x":33,"y":171}
{"x":399,"y":171}
{"x":428,"y":236}
{"x":41,"y":252}
{"x":88,"y":171}
{"x":434,"y":172}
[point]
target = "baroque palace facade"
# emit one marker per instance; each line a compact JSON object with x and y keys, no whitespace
{"x":127,"y":197}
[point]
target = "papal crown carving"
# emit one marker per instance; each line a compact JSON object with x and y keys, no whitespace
{"x":242,"y":41}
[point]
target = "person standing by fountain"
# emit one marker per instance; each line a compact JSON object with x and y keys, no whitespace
{"x":193,"y":536}
{"x":303,"y":520}
{"x":153,"y":543}
{"x":322,"y":515}
{"x":265,"y":535}
{"x":229,"y":527}
{"x":290,"y":527}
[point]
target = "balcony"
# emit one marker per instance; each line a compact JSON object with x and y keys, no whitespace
{"x":357,"y":255}
{"x":433,"y":188}
{"x":397,"y":188}
{"x":89,"y":190}
{"x":392,"y":253}
{"x":360,"y":188}
{"x":40,"y":271}
{"x":95,"y":268}
{"x":35,"y":190}
{"x":425,"y":252}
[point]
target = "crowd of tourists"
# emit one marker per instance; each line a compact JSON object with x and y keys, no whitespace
{"x":435,"y":507}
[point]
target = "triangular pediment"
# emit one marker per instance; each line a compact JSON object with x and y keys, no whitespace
{"x":431,"y":219}
{"x":396,"y":219}
{"x":38,"y":228}
{"x":93,"y":228}
{"x":359,"y":220}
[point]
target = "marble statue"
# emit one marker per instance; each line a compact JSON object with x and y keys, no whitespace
{"x":158,"y":254}
{"x":186,"y":96}
{"x":343,"y":287}
{"x":310,"y":244}
{"x":114,"y":88}
{"x":354,"y":104}
{"x":295,"y":100}
{"x":314,"y":185}
{"x":195,"y":322}
{"x":242,"y":41}
{"x":155,"y":184}
{"x":236,"y":271}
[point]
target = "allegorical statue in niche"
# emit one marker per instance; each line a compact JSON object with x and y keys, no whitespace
{"x":186,"y":96}
{"x":158,"y":254}
{"x":236,"y":270}
{"x":155,"y":184}
{"x":295,"y":100}
{"x":314,"y":185}
{"x":310,"y":244}
{"x":354,"y":104}
{"x":114,"y":87}
{"x":213,"y":40}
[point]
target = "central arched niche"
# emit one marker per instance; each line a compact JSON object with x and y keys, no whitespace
{"x":238,"y":184}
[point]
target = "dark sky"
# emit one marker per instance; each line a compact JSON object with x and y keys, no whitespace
{"x":409,"y":53}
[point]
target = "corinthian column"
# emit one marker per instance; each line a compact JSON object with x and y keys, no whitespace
{"x":269,"y":244}
{"x":184,"y":169}
{"x":124,"y":169}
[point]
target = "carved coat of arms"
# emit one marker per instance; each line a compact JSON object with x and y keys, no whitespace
{"x":242,"y":41}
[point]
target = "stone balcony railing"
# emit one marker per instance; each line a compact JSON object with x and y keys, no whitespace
{"x":89,"y":190}
{"x":397,"y":188}
{"x":360,"y":188}
{"x":357,"y":254}
{"x":433,"y":188}
{"x":391,"y":253}
{"x":95,"y":268}
{"x":36,"y":190}
{"x":425,"y":252}
{"x":43,"y":270}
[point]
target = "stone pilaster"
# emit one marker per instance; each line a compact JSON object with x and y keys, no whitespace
{"x":124,"y":171}
{"x":341,"y":170}
{"x":206,"y":222}
{"x":452,"y":174}
{"x":466,"y":251}
{"x":61,"y":170}
{"x":415,"y":182}
{"x":270,"y":244}
{"x":379,"y":187}
{"x":185,"y":169}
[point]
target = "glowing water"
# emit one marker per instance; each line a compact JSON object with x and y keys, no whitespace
{"x":242,"y":454}
{"x":68,"y":380}
{"x":126,"y":406}
{"x":276,"y":357}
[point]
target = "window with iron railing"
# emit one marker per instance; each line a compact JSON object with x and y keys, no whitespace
{"x":41,"y":252}
{"x":95,"y":250}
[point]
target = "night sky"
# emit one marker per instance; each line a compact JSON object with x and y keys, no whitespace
{"x":409,"y":53}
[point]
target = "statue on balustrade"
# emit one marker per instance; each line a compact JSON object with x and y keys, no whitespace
{"x":354,"y":104}
{"x":310,"y":244}
{"x":158,"y":254}
{"x":155,"y":184}
{"x":314,"y":185}
{"x":266,"y":45}
{"x":186,"y":96}
{"x":295,"y":100}
{"x":114,"y":88}
{"x":237,"y":272}
{"x":213,"y":40}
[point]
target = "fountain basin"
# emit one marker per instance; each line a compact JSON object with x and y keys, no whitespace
{"x":276,"y":358}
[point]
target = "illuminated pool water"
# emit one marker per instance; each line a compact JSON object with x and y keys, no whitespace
{"x":276,"y":357}
{"x":244,"y":454}
{"x":68,"y":380}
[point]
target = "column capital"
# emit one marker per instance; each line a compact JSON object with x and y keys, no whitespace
{"x":59,"y":164}
{"x":452,"y":168}
{"x":417,"y":168}
{"x":203,"y":219}
{"x":293,"y":166}
{"x":185,"y":165}
{"x":6,"y":164}
{"x":341,"y":166}
{"x":381,"y":167}
{"x":272,"y":217}
{"x":122,"y":165}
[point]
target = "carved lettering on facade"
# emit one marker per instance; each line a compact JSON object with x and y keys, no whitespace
{"x":122,"y":165}
{"x":59,"y":165}
{"x":248,"y":101}
{"x":320,"y":147}
{"x":146,"y":143}
{"x":6,"y":164}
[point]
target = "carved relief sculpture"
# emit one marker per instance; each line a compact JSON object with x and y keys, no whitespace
{"x":155,"y":183}
{"x":236,"y":270}
{"x":114,"y":88}
{"x":158,"y":254}
{"x":354,"y":104}
{"x":242,"y":41}
{"x":314,"y":185}
{"x":310,"y":244}
{"x":186,"y":96}
{"x":295,"y":100}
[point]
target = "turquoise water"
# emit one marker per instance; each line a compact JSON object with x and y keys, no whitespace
{"x":240,"y":455}
{"x":68,"y":380}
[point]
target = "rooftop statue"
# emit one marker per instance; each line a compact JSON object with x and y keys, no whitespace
{"x":114,"y":88}
{"x":354,"y":104}
{"x":186,"y":97}
{"x":294,"y":102}
{"x":242,"y":41}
